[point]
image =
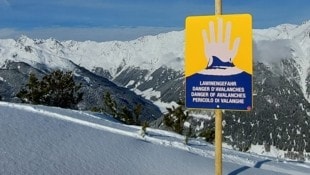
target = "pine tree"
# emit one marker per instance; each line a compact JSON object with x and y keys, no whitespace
{"x":208,"y":134}
{"x":55,"y":89}
{"x":137,"y":112}
{"x":143,"y":128}
{"x":32,"y":93}
{"x":123,"y":114}
{"x":60,"y":89}
{"x":110,"y":104}
{"x":188,"y":134}
{"x":176,"y":117}
{"x":126,"y":116}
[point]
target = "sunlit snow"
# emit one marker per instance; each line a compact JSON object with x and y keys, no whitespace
{"x":48,"y":140}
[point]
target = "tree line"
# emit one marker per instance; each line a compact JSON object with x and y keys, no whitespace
{"x":59,"y":89}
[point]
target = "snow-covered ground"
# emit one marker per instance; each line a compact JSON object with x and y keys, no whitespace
{"x":46,"y":140}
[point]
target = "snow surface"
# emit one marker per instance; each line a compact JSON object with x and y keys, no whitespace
{"x":46,"y":140}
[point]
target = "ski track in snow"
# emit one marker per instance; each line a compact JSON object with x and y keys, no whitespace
{"x":167,"y":139}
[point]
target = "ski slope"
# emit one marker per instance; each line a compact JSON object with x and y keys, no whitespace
{"x":48,"y":140}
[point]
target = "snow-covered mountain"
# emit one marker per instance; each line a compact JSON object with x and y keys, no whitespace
{"x":286,"y":44}
{"x":149,"y":63}
{"x":139,"y":64}
{"x":149,"y":52}
{"x":153,"y":67}
{"x":21,"y":57}
{"x":45,"y":140}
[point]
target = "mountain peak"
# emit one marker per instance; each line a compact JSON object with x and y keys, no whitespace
{"x":25,"y":40}
{"x":306,"y":22}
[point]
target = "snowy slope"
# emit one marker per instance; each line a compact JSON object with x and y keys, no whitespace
{"x":44,"y":140}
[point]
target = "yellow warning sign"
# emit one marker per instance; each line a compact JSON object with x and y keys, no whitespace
{"x":219,"y":61}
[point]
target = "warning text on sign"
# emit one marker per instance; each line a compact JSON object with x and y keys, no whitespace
{"x":218,"y":92}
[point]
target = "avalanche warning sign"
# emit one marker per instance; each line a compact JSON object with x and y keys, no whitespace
{"x":218,"y":62}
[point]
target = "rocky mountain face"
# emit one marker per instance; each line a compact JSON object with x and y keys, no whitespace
{"x":280,"y":116}
{"x":14,"y":76}
{"x":163,"y":84}
{"x":152,"y":66}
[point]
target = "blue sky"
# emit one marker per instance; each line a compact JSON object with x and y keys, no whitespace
{"x":102,"y":20}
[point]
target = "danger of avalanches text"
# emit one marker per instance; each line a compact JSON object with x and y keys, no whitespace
{"x":218,"y":92}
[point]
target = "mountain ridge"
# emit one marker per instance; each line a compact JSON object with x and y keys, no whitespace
{"x":152,"y":66}
{"x":150,"y":53}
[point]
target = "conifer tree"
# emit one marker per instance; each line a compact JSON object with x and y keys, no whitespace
{"x":32,"y":93}
{"x":176,"y":117}
{"x":55,"y":89}
{"x":123,"y":114}
{"x":126,"y":116}
{"x":208,"y":134}
{"x":137,"y":112}
{"x":143,"y":128}
{"x":110,"y":104}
